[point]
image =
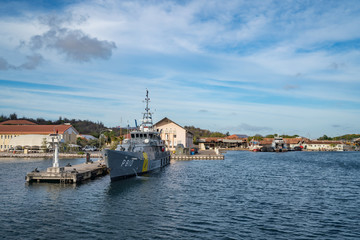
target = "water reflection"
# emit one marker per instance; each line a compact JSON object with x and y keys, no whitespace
{"x":246,"y":196}
{"x":49,"y":187}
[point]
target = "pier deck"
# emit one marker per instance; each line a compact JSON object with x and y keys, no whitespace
{"x":69,"y":174}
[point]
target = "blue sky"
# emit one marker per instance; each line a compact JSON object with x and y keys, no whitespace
{"x":247,"y":67}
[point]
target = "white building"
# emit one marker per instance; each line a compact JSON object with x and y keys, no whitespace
{"x":174,"y":134}
{"x":325,"y":145}
{"x":34,"y":136}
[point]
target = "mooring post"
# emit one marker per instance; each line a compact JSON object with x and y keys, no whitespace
{"x":56,"y":153}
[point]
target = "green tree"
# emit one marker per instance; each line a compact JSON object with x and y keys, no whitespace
{"x":324,"y":138}
{"x":13,"y":116}
{"x":270,"y":136}
{"x":217,"y":134}
{"x":257,"y":137}
{"x":81,"y":142}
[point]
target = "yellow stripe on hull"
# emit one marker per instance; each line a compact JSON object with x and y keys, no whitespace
{"x":146,"y":162}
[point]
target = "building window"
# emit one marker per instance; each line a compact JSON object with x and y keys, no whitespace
{"x":174,"y":136}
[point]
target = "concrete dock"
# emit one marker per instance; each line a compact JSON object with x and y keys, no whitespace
{"x":197,"y":157}
{"x":201,"y":155}
{"x":69,"y":174}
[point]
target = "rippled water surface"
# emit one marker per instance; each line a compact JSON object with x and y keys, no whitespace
{"x":294,"y":195}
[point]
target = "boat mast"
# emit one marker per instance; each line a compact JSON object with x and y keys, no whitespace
{"x":147,"y":118}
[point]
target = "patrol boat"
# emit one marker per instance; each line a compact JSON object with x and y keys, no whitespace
{"x":142,"y":153}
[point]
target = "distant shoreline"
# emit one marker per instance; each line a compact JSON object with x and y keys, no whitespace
{"x":48,"y":155}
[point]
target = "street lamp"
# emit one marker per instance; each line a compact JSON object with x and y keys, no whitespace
{"x":102,"y":131}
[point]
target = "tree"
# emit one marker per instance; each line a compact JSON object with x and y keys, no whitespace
{"x":217,"y":134}
{"x":81,"y":142}
{"x":270,"y":136}
{"x":324,"y":138}
{"x":3,"y":118}
{"x":13,"y":116}
{"x":257,"y":137}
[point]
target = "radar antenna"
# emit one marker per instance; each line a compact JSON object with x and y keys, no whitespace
{"x":147,"y":117}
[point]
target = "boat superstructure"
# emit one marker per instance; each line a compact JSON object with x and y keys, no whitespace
{"x":279,"y":145}
{"x":254,"y":145}
{"x":143,"y":152}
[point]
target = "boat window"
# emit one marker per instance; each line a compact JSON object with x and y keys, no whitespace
{"x":151,"y":135}
{"x":141,"y":135}
{"x":137,"y":135}
{"x":132,"y":135}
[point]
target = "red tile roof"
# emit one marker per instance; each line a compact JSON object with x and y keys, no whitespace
{"x":17,"y":122}
{"x":323,"y":142}
{"x":293,"y":140}
{"x":265,"y":141}
{"x":232,"y":137}
{"x":33,"y":129}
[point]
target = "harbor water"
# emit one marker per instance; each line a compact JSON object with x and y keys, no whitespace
{"x":292,"y":195}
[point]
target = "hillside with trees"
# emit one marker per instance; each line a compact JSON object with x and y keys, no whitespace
{"x":347,"y":137}
{"x":198,"y":132}
{"x":94,"y":129}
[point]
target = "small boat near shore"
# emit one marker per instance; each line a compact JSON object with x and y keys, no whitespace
{"x":279,"y":145}
{"x":255,"y":146}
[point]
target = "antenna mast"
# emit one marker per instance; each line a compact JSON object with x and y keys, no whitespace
{"x":147,"y":118}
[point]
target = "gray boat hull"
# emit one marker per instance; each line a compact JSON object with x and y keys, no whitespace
{"x":123,"y":164}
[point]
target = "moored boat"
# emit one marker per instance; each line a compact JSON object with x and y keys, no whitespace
{"x":279,"y":145}
{"x":142,"y":153}
{"x":254,"y":146}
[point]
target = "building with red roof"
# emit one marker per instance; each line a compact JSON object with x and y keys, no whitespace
{"x":31,"y":136}
{"x":173,"y":134}
{"x":232,"y":141}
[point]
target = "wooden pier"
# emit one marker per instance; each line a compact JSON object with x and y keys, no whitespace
{"x":69,"y":174}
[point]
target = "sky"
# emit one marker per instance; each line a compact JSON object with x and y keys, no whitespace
{"x":243,"y":67}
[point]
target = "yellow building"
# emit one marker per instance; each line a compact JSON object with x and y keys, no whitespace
{"x":173,"y":134}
